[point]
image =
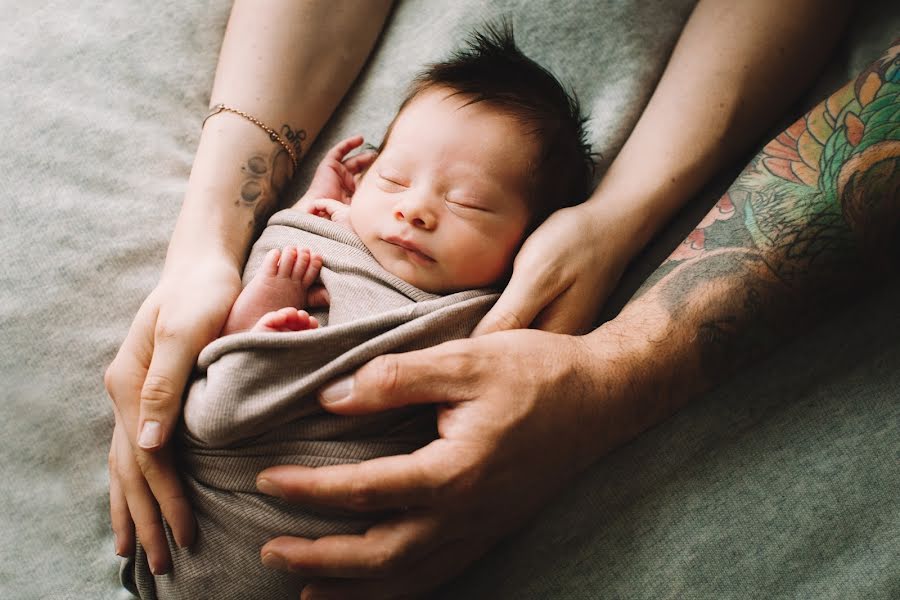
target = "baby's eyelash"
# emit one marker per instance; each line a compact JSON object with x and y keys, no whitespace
{"x":469,"y":206}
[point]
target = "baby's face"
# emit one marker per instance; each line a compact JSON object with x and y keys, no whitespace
{"x":444,"y":205}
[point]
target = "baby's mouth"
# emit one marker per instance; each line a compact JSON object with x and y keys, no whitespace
{"x":410,"y":247}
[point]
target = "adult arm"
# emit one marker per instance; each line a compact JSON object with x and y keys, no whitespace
{"x":288,"y":64}
{"x":810,"y":224}
{"x":715,"y":98}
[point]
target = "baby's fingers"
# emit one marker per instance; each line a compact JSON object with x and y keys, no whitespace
{"x":359,"y":163}
{"x":340,"y":150}
{"x":323,"y":206}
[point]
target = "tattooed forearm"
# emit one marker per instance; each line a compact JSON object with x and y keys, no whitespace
{"x":814,"y":216}
{"x":294,"y":138}
{"x":264,"y":180}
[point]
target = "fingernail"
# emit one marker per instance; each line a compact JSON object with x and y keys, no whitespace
{"x":267,"y":487}
{"x":273,"y":561}
{"x":116,"y":545}
{"x":151,"y":433}
{"x":337,"y":391}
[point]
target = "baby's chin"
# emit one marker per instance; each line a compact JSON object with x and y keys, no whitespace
{"x":415,"y":276}
{"x":432,"y":282}
{"x":428,"y":278}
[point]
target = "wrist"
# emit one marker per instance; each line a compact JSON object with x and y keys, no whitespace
{"x":643,"y":374}
{"x":624,"y":228}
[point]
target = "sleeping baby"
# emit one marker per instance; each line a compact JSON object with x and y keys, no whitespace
{"x":406,"y":246}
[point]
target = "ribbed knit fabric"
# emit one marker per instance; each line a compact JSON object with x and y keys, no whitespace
{"x":252,"y":405}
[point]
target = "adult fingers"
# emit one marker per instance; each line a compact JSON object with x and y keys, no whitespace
{"x":568,"y":313}
{"x":160,"y":476}
{"x":126,"y":374}
{"x":438,"y":374}
{"x":421,"y":577}
{"x":122,"y":525}
{"x":419,"y":479}
{"x":524,"y":297}
{"x":386,"y":548}
{"x":172,"y":362}
{"x":142,"y":508}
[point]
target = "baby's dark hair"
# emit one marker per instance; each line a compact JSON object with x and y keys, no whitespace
{"x":492,"y":69}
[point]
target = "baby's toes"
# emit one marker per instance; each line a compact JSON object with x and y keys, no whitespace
{"x":312,"y":271}
{"x":277,"y":320}
{"x":301,"y":265}
{"x":287,"y":262}
{"x":270,"y":262}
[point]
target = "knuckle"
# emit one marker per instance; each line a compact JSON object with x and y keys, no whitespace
{"x":361,"y":496}
{"x":109,"y":377}
{"x":386,"y":372}
{"x":130,"y":479}
{"x":158,"y":389}
{"x":165,"y":330}
{"x":508,"y":320}
{"x":458,"y":364}
{"x":386,"y":560}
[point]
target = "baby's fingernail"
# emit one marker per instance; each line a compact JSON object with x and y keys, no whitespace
{"x":273,"y":561}
{"x":337,"y":391}
{"x":267,"y":487}
{"x":151,"y":434}
{"x":116,"y":545}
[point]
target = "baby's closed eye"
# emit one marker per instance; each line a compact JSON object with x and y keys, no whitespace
{"x":467,"y":204}
{"x":392,"y":181}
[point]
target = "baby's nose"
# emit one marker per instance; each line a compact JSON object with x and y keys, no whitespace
{"x":416,"y":214}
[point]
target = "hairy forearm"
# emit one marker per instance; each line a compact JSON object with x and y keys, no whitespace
{"x":737,"y":66}
{"x":288,"y":64}
{"x":810,"y":224}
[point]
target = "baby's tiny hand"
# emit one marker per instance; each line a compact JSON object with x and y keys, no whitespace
{"x":326,"y":208}
{"x":336,"y":175}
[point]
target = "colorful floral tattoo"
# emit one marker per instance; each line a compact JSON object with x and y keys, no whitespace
{"x":813,"y":216}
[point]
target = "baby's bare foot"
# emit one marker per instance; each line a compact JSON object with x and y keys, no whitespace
{"x":286,"y":319}
{"x":282,"y":281}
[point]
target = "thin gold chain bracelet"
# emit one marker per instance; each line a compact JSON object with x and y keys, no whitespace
{"x":273,"y":135}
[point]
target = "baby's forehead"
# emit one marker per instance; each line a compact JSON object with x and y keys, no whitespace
{"x":442,"y":102}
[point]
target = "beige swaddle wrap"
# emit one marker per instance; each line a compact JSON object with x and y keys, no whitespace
{"x":252,"y":405}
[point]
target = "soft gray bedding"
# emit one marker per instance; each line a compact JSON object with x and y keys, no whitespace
{"x":783,"y":482}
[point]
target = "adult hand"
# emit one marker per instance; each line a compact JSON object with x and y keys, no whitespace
{"x":145,"y":382}
{"x":563,"y":273}
{"x":518,"y":413}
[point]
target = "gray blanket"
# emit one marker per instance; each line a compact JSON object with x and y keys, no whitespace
{"x":251,"y":405}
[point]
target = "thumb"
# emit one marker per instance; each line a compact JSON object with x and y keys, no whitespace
{"x":434,"y":375}
{"x":161,"y":393}
{"x":567,"y":314}
{"x":518,"y":305}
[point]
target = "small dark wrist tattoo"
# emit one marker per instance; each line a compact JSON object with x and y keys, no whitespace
{"x":294,"y":138}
